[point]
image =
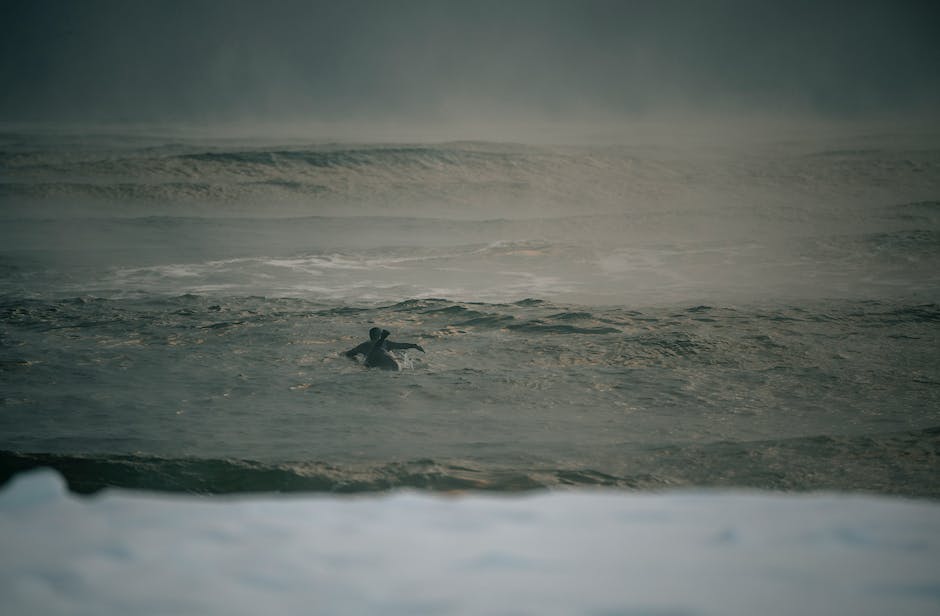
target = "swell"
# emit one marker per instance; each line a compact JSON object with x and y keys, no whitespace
{"x":321,"y":171}
{"x":671,"y":331}
{"x":468,"y":173}
{"x":407,"y":156}
{"x":90,"y":473}
{"x":902,"y":463}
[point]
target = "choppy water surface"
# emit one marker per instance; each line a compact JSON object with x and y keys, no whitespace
{"x":642,"y":339}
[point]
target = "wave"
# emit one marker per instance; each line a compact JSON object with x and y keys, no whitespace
{"x":906,"y":242}
{"x":385,"y":173}
{"x":898,"y":463}
{"x":420,"y":157}
{"x":654,"y":328}
{"x":89,"y":473}
{"x":467,"y":174}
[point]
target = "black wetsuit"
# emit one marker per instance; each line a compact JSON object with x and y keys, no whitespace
{"x":376,"y":350}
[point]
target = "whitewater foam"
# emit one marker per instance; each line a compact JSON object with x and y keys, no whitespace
{"x":555,"y":553}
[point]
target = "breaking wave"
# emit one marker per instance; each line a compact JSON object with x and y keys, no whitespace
{"x":458,"y":174}
{"x":811,"y":463}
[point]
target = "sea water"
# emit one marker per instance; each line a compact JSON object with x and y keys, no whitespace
{"x":174,"y":313}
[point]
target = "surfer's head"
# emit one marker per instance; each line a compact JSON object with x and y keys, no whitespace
{"x":374,"y":333}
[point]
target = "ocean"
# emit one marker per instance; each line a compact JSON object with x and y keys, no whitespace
{"x":174,"y":314}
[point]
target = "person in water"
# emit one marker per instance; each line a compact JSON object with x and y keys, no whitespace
{"x":377,"y":350}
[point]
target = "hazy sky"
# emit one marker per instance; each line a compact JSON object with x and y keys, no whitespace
{"x":414,"y":61}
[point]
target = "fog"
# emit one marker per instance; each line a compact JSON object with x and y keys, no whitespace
{"x":230,"y":109}
{"x":468,"y":69}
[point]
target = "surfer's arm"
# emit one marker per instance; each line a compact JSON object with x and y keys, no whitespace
{"x":403,"y":345}
{"x":362,"y":349}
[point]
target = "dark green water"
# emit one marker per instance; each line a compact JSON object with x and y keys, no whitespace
{"x":737,"y":342}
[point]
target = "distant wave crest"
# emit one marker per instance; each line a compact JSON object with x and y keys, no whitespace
{"x":456,"y":173}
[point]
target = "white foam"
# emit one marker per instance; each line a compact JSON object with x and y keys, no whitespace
{"x":406,"y":553}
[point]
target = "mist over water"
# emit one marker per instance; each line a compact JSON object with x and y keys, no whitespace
{"x":448,"y":69}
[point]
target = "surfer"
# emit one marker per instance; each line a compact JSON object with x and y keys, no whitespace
{"x":377,"y":350}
